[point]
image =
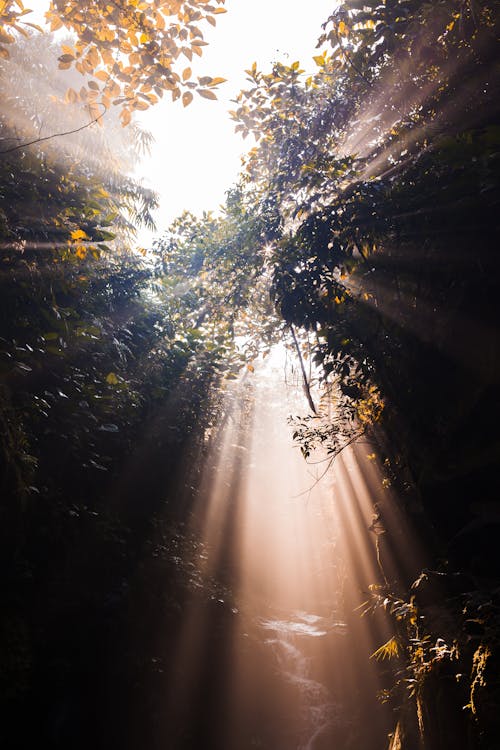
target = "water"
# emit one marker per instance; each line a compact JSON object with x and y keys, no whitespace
{"x":320,"y":713}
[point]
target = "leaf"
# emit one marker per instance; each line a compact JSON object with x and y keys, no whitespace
{"x":81,"y":252}
{"x":109,"y":427}
{"x":187,"y":98}
{"x":66,"y":58}
{"x":389,"y":650}
{"x":186,"y":74}
{"x":55,"y":23}
{"x":112,"y":379}
{"x":207,"y":94}
{"x":79,"y":234}
{"x":125,"y":117}
{"x":71,"y":96}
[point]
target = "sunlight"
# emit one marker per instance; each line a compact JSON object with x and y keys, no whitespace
{"x":197,"y":154}
{"x":296,"y":567}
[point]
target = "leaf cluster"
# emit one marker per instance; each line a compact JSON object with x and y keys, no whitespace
{"x":132,"y":50}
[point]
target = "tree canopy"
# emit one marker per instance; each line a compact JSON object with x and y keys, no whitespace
{"x":364,"y":226}
{"x":129,"y":51}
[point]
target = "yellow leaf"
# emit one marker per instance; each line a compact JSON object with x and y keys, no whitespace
{"x":112,"y":379}
{"x":217,"y":81}
{"x":186,"y":74}
{"x":389,"y":650}
{"x":251,"y":368}
{"x":342,"y":29}
{"x":71,"y":96}
{"x":187,"y":98}
{"x":55,"y":23}
{"x":78,"y":234}
{"x":125,"y":117}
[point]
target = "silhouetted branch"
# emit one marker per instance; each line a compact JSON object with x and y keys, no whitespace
{"x":54,"y":135}
{"x":307,"y":388}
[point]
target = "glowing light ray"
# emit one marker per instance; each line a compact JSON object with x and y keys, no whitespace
{"x":425,"y":318}
{"x":399,"y":102}
{"x":297,"y":568}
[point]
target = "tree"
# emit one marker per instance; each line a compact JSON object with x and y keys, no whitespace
{"x":340,"y":153}
{"x":129,"y":49}
{"x":383,"y":170}
{"x":70,"y":194}
{"x":132,"y":50}
{"x":215,"y":271}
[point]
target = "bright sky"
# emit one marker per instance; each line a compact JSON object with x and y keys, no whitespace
{"x":196,"y":157}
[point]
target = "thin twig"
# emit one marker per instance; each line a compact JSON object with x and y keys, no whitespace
{"x":54,"y":135}
{"x":307,"y":388}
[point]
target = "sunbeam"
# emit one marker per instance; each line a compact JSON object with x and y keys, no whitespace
{"x":295,"y":668}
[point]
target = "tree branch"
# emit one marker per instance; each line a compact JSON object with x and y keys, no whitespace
{"x":54,"y":135}
{"x":307,"y":389}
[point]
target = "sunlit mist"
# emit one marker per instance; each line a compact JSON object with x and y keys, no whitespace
{"x":298,"y":558}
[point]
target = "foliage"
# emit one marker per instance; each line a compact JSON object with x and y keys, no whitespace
{"x":213,"y":273}
{"x":382,"y":170}
{"x":366,"y":160}
{"x":128,"y":51}
{"x":363,"y":220}
{"x":49,"y":199}
{"x":12,"y":14}
{"x":131,"y":49}
{"x":429,"y":648}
